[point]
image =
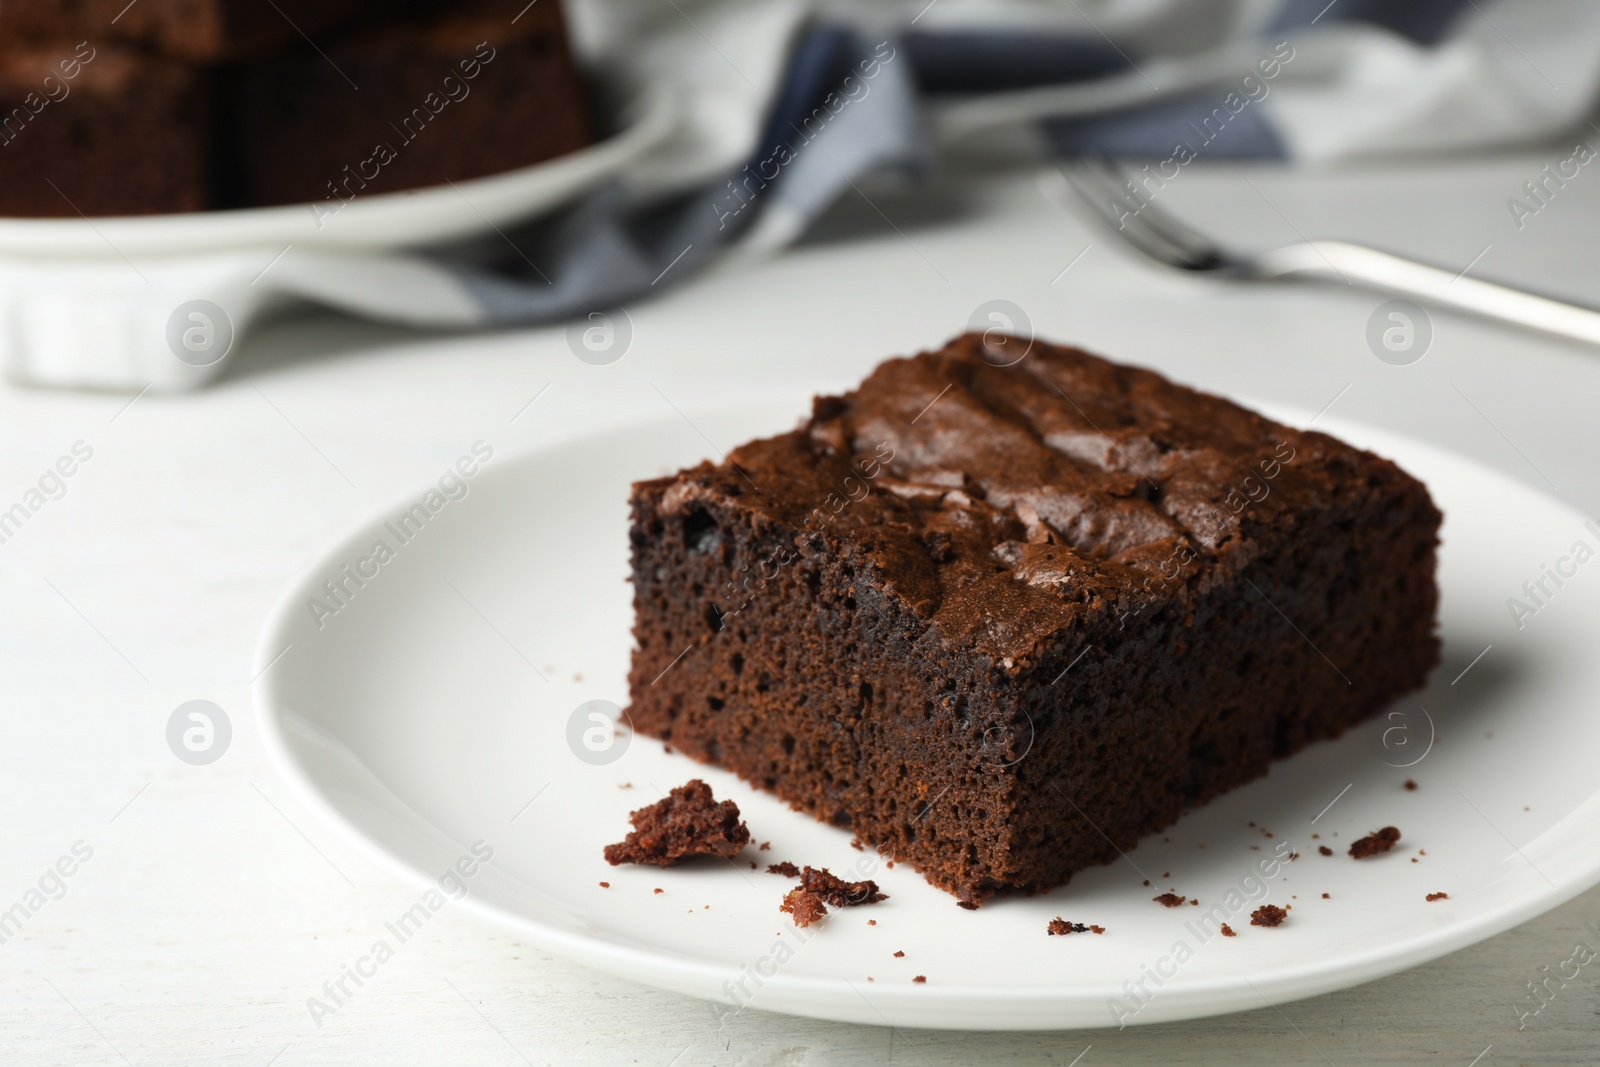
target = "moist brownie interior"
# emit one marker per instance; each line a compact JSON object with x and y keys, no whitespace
{"x":1004,"y":620}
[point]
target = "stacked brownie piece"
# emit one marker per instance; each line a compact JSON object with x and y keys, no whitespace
{"x":1002,"y":619}
{"x":161,"y":106}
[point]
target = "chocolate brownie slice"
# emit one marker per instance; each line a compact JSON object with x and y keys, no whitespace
{"x":101,"y":129}
{"x":202,"y":31}
{"x":413,"y":102}
{"x":1003,"y":620}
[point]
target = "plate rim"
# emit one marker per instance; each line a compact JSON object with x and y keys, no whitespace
{"x":810,"y":996}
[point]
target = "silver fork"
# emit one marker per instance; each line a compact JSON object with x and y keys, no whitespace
{"x":1162,"y":237}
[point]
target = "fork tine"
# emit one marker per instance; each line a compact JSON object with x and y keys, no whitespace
{"x":1202,"y":251}
{"x":1102,"y":185}
{"x":1107,"y":204}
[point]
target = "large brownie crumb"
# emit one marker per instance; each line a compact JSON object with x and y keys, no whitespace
{"x":805,"y":906}
{"x":1170,"y":900}
{"x":686,"y":822}
{"x":1268,"y":915}
{"x":837,"y":891}
{"x":1227,"y":931}
{"x":787,"y":869}
{"x":1375,"y":842}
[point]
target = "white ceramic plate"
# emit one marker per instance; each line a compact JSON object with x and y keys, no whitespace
{"x":431,"y":712}
{"x":385,"y":221}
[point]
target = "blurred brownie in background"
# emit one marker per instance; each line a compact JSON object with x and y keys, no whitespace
{"x":101,"y":129}
{"x":200,"y":31}
{"x":486,"y":87}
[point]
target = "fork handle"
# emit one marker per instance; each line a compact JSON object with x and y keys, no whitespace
{"x":1370,"y":268}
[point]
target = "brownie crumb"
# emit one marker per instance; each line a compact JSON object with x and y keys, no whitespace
{"x":1268,"y":915}
{"x":805,"y":906}
{"x":1326,"y":897}
{"x":605,"y":885}
{"x":1227,"y":931}
{"x":1169,"y":900}
{"x":686,"y":822}
{"x":899,"y":955}
{"x":1411,"y":786}
{"x":967,"y":904}
{"x":660,"y":890}
{"x":1325,"y":850}
{"x":921,"y":978}
{"x":1294,"y":855}
{"x":1438,"y":896}
{"x":872,"y":922}
{"x":1375,"y":842}
{"x":764,"y":846}
{"x":838,"y":892}
{"x":787,"y":869}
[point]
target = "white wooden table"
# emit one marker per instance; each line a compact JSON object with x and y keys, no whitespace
{"x":213,"y":906}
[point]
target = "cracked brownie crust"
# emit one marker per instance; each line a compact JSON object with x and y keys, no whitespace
{"x":1003,"y":620}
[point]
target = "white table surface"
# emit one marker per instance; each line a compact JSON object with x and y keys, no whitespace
{"x":213,"y":905}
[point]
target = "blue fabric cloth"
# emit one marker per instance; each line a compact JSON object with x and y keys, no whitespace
{"x":601,"y":254}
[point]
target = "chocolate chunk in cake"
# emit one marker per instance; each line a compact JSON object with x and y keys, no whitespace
{"x":978,"y":614}
{"x":686,"y":822}
{"x":1375,"y":842}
